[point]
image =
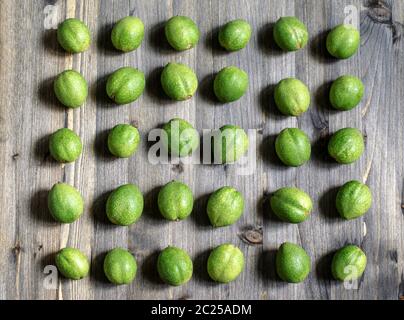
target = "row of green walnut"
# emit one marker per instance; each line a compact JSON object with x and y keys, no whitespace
{"x":182,"y":33}
{"x":225,"y":206}
{"x":225,"y":263}
{"x":174,"y":265}
{"x":126,"y":84}
{"x":179,"y":138}
{"x":179,"y":82}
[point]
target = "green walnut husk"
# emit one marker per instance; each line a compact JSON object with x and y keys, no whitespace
{"x":343,"y":41}
{"x":348,"y":263}
{"x":346,"y":92}
{"x":120,"y":266}
{"x":181,"y":33}
{"x":346,"y":145}
{"x":71,"y":88}
{"x":292,"y":263}
{"x":175,"y":201}
{"x":293,"y":147}
{"x":179,"y":82}
{"x":179,"y":138}
{"x":174,"y":266}
{"x":123,"y":140}
{"x":127,"y":34}
{"x":292,"y":97}
{"x":230,"y":84}
{"x":291,"y":204}
{"x":290,"y":34}
{"x":125,"y":85}
{"x":225,"y":263}
{"x":125,"y":205}
{"x":65,"y":203}
{"x":235,"y":35}
{"x":72,"y":263}
{"x":73,"y":35}
{"x":230,"y":144}
{"x":65,"y":145}
{"x":353,"y":200}
{"x":225,"y":206}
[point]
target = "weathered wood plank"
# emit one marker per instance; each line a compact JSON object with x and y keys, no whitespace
{"x":8,"y":262}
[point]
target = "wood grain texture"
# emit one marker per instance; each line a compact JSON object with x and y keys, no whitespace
{"x":31,"y":58}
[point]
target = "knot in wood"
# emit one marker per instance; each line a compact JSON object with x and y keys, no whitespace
{"x":380,"y":12}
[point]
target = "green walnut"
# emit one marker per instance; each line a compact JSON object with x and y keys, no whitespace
{"x":343,"y":41}
{"x":230,"y":144}
{"x":71,"y":88}
{"x":291,"y":204}
{"x":174,"y":266}
{"x":348,"y":263}
{"x":74,"y":36}
{"x":125,"y":205}
{"x":292,"y":263}
{"x":290,"y":34}
{"x":127,"y":34}
{"x":181,"y":33}
{"x":235,"y":35}
{"x":175,"y":201}
{"x":179,"y":138}
{"x":230,"y":84}
{"x":353,"y":200}
{"x":123,"y":140}
{"x":120,"y":266}
{"x":125,"y":85}
{"x":225,"y":263}
{"x":65,"y":145}
{"x":65,"y":203}
{"x":225,"y":206}
{"x":179,"y":82}
{"x":346,"y":92}
{"x":293,"y":147}
{"x":292,"y":97}
{"x":72,"y":263}
{"x":346,"y":145}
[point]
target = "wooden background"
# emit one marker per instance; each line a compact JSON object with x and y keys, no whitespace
{"x":31,"y":58}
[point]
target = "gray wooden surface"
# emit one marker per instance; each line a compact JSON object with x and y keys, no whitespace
{"x":30,"y":59}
